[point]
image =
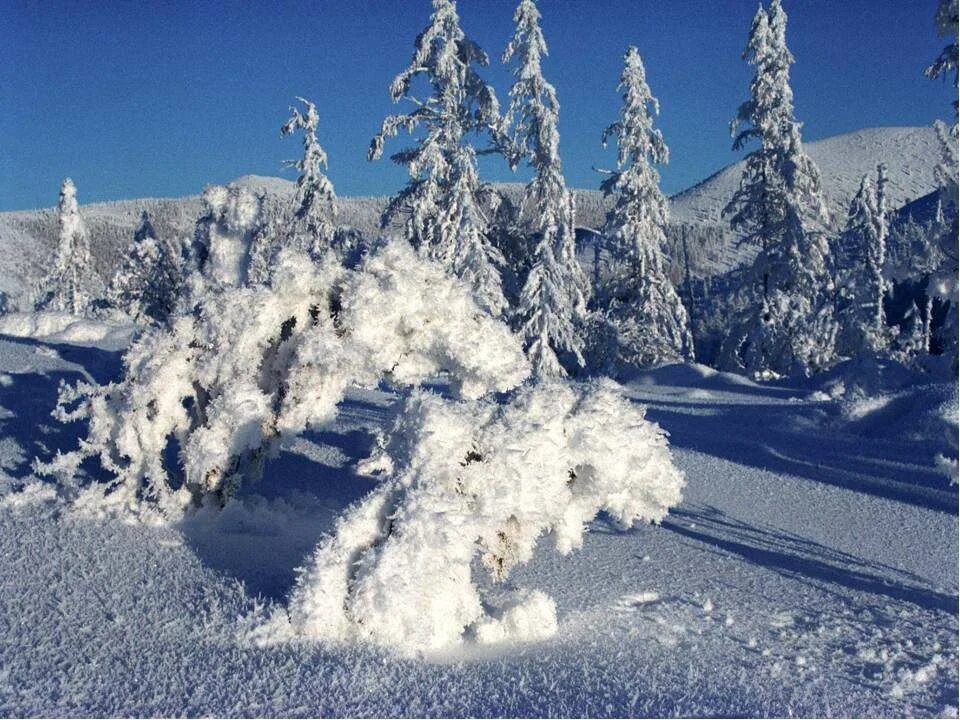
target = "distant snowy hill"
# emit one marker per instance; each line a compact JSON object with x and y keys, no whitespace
{"x":28,"y":238}
{"x":910,"y":154}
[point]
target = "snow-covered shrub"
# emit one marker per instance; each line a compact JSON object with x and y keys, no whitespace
{"x":254,"y":364}
{"x":221,"y":250}
{"x":480,"y":481}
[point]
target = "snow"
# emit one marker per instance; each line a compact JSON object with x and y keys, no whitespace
{"x":59,"y":327}
{"x":28,"y":238}
{"x":832,"y":546}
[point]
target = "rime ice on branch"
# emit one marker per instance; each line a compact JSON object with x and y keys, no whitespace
{"x":642,"y":320}
{"x":443,"y":203}
{"x":553,"y":300}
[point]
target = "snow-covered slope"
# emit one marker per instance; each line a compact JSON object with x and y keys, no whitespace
{"x":27,"y":238}
{"x":810,"y":570}
{"x":910,"y":154}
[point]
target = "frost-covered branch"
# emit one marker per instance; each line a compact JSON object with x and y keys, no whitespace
{"x":478,"y":481}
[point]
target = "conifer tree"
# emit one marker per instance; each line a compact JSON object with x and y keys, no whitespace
{"x":315,"y":213}
{"x":943,"y":281}
{"x":553,"y":300}
{"x":863,"y":286}
{"x":443,"y":202}
{"x":71,"y":283}
{"x":645,"y":320}
{"x":779,"y":207}
{"x":147,"y":284}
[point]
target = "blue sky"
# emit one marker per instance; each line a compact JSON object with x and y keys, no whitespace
{"x":160,"y":98}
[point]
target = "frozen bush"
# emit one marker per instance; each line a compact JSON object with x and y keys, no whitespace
{"x":468,"y":481}
{"x":255,"y":364}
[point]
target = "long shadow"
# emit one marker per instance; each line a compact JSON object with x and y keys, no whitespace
{"x":760,"y":436}
{"x":793,"y":556}
{"x":268,"y":530}
{"x":30,"y":397}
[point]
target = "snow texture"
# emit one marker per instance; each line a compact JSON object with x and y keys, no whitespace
{"x":254,"y":364}
{"x":480,"y":480}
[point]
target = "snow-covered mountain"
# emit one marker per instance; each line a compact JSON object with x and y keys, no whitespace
{"x":910,"y":154}
{"x":698,"y":235}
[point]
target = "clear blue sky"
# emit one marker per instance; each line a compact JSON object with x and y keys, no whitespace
{"x":137,"y":99}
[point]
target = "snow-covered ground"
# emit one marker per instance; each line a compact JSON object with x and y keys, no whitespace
{"x":810,"y":570}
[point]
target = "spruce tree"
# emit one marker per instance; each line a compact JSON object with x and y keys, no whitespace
{"x":863,"y":286}
{"x":444,"y":200}
{"x":315,"y":213}
{"x":788,"y":324}
{"x":645,"y":321}
{"x":147,"y":284}
{"x":71,"y":283}
{"x":943,"y":281}
{"x":553,"y":300}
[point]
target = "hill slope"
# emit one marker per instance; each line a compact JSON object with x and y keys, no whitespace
{"x":28,"y":238}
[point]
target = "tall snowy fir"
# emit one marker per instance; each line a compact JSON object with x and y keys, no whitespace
{"x":862,"y":283}
{"x":640,"y":316}
{"x":942,"y":283}
{"x":147,"y":284}
{"x":553,"y":300}
{"x":443,"y":203}
{"x":315,"y":214}
{"x":71,"y":283}
{"x":787,"y":324}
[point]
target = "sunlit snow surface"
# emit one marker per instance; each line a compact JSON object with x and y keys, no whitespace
{"x":810,"y":570}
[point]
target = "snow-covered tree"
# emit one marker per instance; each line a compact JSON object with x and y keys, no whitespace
{"x":72,"y":283}
{"x":943,"y":281}
{"x":913,"y":341}
{"x":552,"y":305}
{"x":862,"y":282}
{"x":253,"y":364}
{"x":444,"y":200}
{"x":471,"y":487}
{"x":220,"y":254}
{"x":779,"y":207}
{"x":644,"y":319}
{"x":315,"y":214}
{"x":946,"y":20}
{"x":148,"y":282}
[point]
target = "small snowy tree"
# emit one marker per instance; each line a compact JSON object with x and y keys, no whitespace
{"x":71,"y":284}
{"x":220,"y":255}
{"x":148,"y":282}
{"x":863,"y":285}
{"x":315,"y":215}
{"x":553,"y":300}
{"x":647,"y":323}
{"x":443,"y":201}
{"x":779,"y":207}
{"x":472,"y":486}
